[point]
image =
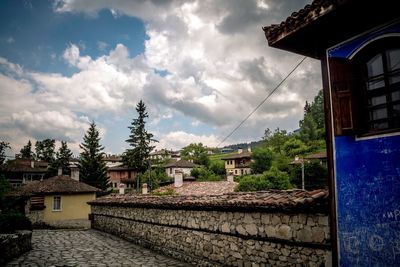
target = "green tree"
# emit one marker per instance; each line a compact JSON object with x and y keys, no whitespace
{"x":3,"y":147}
{"x":153,"y":177}
{"x":93,"y":170}
{"x":276,"y":139}
{"x":26,"y":152}
{"x":196,"y":153}
{"x":63,"y":156}
{"x":294,"y":147}
{"x":217,"y":167}
{"x":262,"y":159}
{"x":139,"y":141}
{"x":45,"y":150}
{"x":312,"y":127}
{"x":272,"y":179}
{"x":5,"y":186}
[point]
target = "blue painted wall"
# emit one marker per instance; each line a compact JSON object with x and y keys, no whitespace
{"x":368,"y":201}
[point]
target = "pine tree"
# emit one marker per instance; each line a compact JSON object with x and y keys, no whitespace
{"x":62,"y":160}
{"x":139,"y":140}
{"x":45,"y":150}
{"x":26,"y":151}
{"x":93,"y":170}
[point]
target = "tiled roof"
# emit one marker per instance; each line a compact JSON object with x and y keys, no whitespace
{"x":272,"y":200}
{"x":24,"y":165}
{"x":300,"y":19}
{"x":319,"y":155}
{"x":61,"y":184}
{"x":121,"y":168}
{"x":244,"y":154}
{"x":180,"y":164}
{"x":203,"y":188}
{"x":161,"y":152}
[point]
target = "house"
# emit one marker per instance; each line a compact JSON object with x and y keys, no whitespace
{"x":22,"y":171}
{"x":181,"y":166}
{"x":159,"y":155}
{"x":122,"y":174}
{"x":59,"y":201}
{"x":358,"y":45}
{"x":112,"y":160}
{"x":238,"y":164}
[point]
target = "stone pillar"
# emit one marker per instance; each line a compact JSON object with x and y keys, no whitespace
{"x":178,"y":179}
{"x":144,"y":189}
{"x":121,"y":189}
{"x":59,"y":171}
{"x":75,"y":173}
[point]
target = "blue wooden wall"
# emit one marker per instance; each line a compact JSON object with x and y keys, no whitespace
{"x":368,"y":201}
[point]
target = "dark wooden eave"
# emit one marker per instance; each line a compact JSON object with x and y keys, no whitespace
{"x":325,"y":23}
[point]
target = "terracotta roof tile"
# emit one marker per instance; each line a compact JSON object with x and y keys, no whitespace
{"x":276,"y":200}
{"x":244,"y":154}
{"x":57,"y":184}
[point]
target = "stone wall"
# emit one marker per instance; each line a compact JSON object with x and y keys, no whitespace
{"x":221,"y":234}
{"x":13,"y":245}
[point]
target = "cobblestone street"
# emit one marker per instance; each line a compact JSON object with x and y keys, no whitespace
{"x":87,"y":248}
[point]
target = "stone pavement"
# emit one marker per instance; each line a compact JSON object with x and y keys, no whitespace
{"x":87,"y":248}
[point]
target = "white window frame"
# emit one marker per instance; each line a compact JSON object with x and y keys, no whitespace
{"x":55,"y":208}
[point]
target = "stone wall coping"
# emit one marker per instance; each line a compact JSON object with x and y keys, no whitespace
{"x":272,"y":200}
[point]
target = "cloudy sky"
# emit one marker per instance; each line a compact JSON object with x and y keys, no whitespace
{"x":200,"y":67}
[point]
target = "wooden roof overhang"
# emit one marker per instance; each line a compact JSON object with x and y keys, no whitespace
{"x":325,"y":23}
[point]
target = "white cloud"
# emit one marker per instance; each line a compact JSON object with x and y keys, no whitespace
{"x":179,"y":139}
{"x":218,"y":62}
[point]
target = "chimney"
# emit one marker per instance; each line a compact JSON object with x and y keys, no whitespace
{"x":121,"y":187}
{"x":75,"y":173}
{"x":249,"y":149}
{"x":144,"y":189}
{"x":240,"y":151}
{"x":178,"y":179}
{"x":32,"y":164}
{"x":59,"y":171}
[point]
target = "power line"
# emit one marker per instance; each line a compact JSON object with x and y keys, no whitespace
{"x":262,"y":102}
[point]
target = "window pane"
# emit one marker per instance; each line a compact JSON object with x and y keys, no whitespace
{"x":382,"y":125}
{"x":396,"y":96}
{"x":378,"y":114}
{"x":57,"y":203}
{"x":396,"y":110}
{"x":375,"y":66}
{"x":377,"y":100}
{"x":393,"y":59}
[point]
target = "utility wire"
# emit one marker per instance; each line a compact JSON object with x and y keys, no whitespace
{"x":262,"y":102}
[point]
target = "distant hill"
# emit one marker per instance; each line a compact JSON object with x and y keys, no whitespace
{"x":252,"y":144}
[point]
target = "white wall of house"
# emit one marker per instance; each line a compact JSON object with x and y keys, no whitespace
{"x":171,"y":171}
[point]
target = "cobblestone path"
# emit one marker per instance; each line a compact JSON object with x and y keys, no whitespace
{"x":87,"y":248}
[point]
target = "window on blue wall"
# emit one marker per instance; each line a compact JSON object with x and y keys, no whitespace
{"x":381,"y":78}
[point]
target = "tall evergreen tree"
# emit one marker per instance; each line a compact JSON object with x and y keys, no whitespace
{"x":63,"y":156}
{"x":45,"y":150}
{"x":139,"y":140}
{"x":93,"y":170}
{"x":3,"y":147}
{"x":26,"y":152}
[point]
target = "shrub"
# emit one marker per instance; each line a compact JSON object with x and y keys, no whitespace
{"x":272,"y":179}
{"x":204,"y":174}
{"x":10,"y":222}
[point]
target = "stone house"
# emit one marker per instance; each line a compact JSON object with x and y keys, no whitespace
{"x":59,"y":201}
{"x":122,"y":174}
{"x":238,"y":164}
{"x":181,"y":166}
{"x":358,"y":46}
{"x":22,"y":171}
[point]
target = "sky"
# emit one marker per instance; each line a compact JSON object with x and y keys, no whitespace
{"x":200,"y":67}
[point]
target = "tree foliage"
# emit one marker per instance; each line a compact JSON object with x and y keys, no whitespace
{"x":26,"y":152}
{"x":63,"y":156}
{"x":93,"y":170}
{"x":271,"y":179}
{"x":45,"y":150}
{"x":312,"y":127}
{"x":275,"y":140}
{"x":153,"y":177}
{"x":139,"y":141}
{"x":196,"y":153}
{"x":3,"y":147}
{"x":262,"y":159}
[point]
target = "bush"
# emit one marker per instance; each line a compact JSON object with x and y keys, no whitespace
{"x":10,"y":222}
{"x":262,"y":160}
{"x":203,"y":174}
{"x":315,"y":175}
{"x":272,"y":179}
